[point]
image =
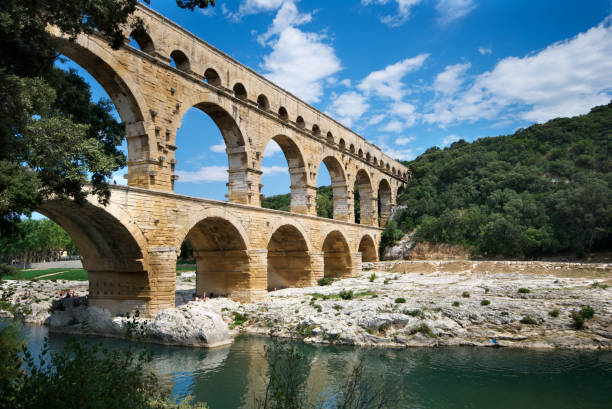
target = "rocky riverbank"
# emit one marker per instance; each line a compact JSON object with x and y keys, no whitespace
{"x":393,"y":304}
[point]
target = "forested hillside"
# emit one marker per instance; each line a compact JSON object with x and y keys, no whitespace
{"x":543,"y":190}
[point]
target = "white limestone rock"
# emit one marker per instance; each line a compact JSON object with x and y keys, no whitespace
{"x":192,"y":324}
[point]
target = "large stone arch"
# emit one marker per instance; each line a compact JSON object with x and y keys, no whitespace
{"x":114,"y":252}
{"x":277,"y":222}
{"x":289,"y":263}
{"x":240,"y":178}
{"x":98,"y":62}
{"x":367,"y":199}
{"x":222,"y":259}
{"x":385,"y":201}
{"x":297,"y":173}
{"x":367,"y":248}
{"x":336,"y":255}
{"x":110,"y":69}
{"x":342,"y":207}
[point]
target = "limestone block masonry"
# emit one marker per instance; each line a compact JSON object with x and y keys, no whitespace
{"x":130,"y":247}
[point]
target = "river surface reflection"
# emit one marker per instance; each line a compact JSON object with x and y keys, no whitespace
{"x":459,"y":377}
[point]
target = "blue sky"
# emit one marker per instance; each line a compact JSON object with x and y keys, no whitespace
{"x":405,"y":74}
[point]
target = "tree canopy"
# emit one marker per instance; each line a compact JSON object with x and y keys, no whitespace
{"x":54,"y":140}
{"x":545,"y":189}
{"x":36,"y":240}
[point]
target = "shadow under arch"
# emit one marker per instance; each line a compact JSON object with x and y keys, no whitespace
{"x":367,"y":205}
{"x":336,"y":255}
{"x":114,"y":254}
{"x":222,"y":261}
{"x":289,"y":262}
{"x":297,"y":173}
{"x":367,"y":248}
{"x":342,"y":209}
{"x":385,"y":202}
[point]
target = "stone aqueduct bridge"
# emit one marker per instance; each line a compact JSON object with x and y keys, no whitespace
{"x":130,"y":247}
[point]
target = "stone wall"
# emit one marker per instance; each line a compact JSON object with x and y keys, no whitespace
{"x":131,"y":247}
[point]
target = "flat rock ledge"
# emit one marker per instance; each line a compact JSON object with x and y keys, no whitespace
{"x":441,"y":308}
{"x":194,"y":324}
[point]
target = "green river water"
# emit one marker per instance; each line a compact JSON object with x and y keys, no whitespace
{"x":459,"y":377}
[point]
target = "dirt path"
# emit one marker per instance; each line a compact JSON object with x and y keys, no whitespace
{"x":51,"y":274}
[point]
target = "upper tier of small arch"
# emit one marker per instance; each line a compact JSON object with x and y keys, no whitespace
{"x":208,"y":64}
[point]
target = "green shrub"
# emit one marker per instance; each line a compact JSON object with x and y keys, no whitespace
{"x":305,"y":330}
{"x":485,"y":302}
{"x":456,"y":303}
{"x":598,"y":284}
{"x":425,"y":330}
{"x":400,"y":300}
{"x":415,"y":313}
{"x":554,"y":313}
{"x":372,"y":277}
{"x":587,"y":312}
{"x":465,"y":294}
{"x":325,"y":281}
{"x":346,"y":295}
{"x":581,"y":315}
{"x":486,"y":290}
{"x":528,"y":320}
{"x":7,"y":270}
{"x":337,"y":307}
{"x":386,"y":281}
{"x":505,"y":313}
{"x":524,"y":290}
{"x":239,"y":319}
{"x":366,"y":293}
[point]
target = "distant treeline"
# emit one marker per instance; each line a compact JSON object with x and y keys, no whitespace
{"x":543,"y":190}
{"x":37,"y":240}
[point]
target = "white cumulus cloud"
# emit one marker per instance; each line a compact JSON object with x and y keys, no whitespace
{"x":451,"y":10}
{"x":349,"y":107}
{"x":252,"y":7}
{"x":404,"y":140}
{"x":271,"y":148}
{"x":485,"y":50}
{"x":400,"y":154}
{"x":218,"y":148}
{"x":274,"y":170}
{"x":564,"y":79}
{"x":449,"y":81}
{"x":388,"y":81}
{"x":393,"y":126}
{"x":293,"y":50}
{"x":376,"y":119}
{"x":204,"y":174}
{"x":449,"y":139}
{"x":404,"y":8}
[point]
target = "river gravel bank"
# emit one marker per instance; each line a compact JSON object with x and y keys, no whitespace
{"x":399,"y":304}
